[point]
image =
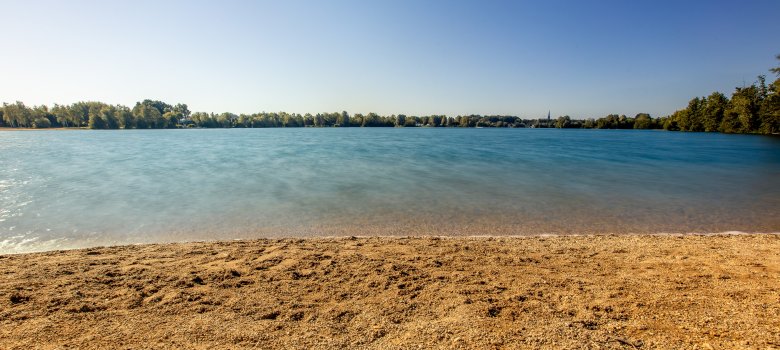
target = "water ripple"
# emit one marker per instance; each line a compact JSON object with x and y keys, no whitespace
{"x":81,"y":188}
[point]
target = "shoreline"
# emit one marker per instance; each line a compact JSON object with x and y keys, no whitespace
{"x":607,"y":291}
{"x":391,"y":237}
{"x":8,"y":128}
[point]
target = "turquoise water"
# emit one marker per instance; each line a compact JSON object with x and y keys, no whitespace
{"x":68,"y":189}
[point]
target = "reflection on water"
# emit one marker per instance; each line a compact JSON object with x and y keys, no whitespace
{"x":65,"y":189}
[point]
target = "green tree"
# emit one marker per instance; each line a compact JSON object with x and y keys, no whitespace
{"x":319,"y":121}
{"x":643,"y":121}
{"x":743,"y":106}
{"x":96,"y":122}
{"x":400,"y":120}
{"x":109,"y":115}
{"x":625,"y":122}
{"x":563,"y":122}
{"x":343,"y":119}
{"x":308,"y":119}
{"x":17,"y":115}
{"x":124,"y":117}
{"x":714,"y":108}
{"x":78,"y":114}
{"x":226,"y":120}
{"x":201,"y":119}
{"x":171,"y":118}
{"x":147,"y":116}
{"x":691,"y":118}
{"x":41,"y":117}
{"x":670,"y":122}
{"x":41,"y":123}
{"x":182,"y":109}
{"x":589,"y":123}
{"x":356,"y":120}
{"x":160,"y":106}
{"x":770,"y":110}
{"x":730,"y":123}
{"x":60,"y":113}
{"x":608,"y":122}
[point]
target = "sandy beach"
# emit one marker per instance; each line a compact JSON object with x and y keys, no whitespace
{"x":592,"y":292}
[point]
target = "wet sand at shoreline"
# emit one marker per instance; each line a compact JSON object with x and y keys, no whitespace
{"x":635,"y":291}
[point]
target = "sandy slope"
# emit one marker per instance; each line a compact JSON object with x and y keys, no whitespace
{"x":541,"y":292}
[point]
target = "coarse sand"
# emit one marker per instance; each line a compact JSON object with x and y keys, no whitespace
{"x":589,"y":292}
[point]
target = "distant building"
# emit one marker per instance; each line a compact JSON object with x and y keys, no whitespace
{"x":541,"y":123}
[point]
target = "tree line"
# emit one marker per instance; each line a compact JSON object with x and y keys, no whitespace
{"x":153,"y":114}
{"x":750,"y":109}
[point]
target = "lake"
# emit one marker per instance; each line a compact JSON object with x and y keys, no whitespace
{"x":72,"y":189}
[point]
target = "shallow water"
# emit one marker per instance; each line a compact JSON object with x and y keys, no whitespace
{"x":69,"y":189}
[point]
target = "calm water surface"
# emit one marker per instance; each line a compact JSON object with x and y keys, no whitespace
{"x":68,"y":189}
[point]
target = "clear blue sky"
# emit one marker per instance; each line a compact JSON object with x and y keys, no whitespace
{"x":581,"y":58}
